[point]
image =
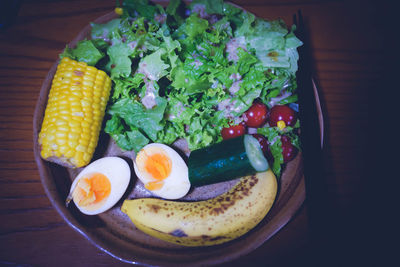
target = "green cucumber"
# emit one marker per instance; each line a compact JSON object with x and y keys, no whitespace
{"x":255,"y":153}
{"x":226,"y":160}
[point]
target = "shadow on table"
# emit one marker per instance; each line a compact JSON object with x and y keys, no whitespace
{"x":8,"y":12}
{"x":337,"y":234}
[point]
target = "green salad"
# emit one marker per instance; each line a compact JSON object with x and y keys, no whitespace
{"x":190,"y":70}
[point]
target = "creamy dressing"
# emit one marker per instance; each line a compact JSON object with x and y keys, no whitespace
{"x":181,"y":108}
{"x":232,"y":47}
{"x":213,"y":19}
{"x":143,"y":69}
{"x":235,"y":87}
{"x":275,"y":100}
{"x":201,"y":10}
{"x":251,"y":130}
{"x":149,"y":99}
{"x":132,"y":44}
{"x":235,"y":77}
{"x":160,"y":18}
{"x":274,"y":140}
{"x":199,"y":48}
{"x":227,"y":106}
{"x":103,"y":36}
{"x":196,"y":63}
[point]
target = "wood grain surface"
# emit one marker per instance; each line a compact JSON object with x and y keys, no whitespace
{"x":349,"y":53}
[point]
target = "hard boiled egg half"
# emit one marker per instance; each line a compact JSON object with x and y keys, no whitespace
{"x":100,"y":185}
{"x":162,"y":171}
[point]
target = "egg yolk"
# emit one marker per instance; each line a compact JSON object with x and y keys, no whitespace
{"x":156,"y":163}
{"x":91,"y":189}
{"x":156,"y":185}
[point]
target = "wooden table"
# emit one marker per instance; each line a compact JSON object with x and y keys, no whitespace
{"x":348,"y":52}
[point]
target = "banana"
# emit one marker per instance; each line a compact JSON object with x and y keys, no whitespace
{"x":208,"y":222}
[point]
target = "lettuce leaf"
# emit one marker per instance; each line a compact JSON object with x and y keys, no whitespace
{"x":85,"y":51}
{"x":244,"y":23}
{"x":179,"y":55}
{"x":190,"y":81}
{"x":127,"y":87}
{"x":273,"y":44}
{"x":135,"y":115}
{"x":142,"y":8}
{"x":104,"y":31}
{"x":195,"y":26}
{"x":152,"y":66}
{"x":245,"y":62}
{"x":275,"y":145}
{"x":125,"y":137}
{"x":209,"y":6}
{"x":172,"y":47}
{"x":119,"y":60}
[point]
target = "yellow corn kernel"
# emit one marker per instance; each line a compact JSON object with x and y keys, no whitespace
{"x":87,"y":157}
{"x":77,"y":93}
{"x":74,"y":124}
{"x":78,"y":158}
{"x":70,"y":153}
{"x":60,"y":134}
{"x":63,"y":149}
{"x":118,"y":11}
{"x":72,"y":143}
{"x":281,"y":125}
{"x":87,"y":94}
{"x":61,"y":142}
{"x":73,"y":136}
{"x":77,"y":116}
{"x":60,"y":123}
{"x":84,"y":142}
{"x":74,"y":113}
{"x":76,"y":110}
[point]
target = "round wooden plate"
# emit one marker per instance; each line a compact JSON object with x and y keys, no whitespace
{"x":114,"y":233}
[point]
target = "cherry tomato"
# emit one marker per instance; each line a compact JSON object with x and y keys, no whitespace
{"x":282,"y":113}
{"x":264,"y":145}
{"x":233,"y":131}
{"x":289,"y":151}
{"x":256,"y":115}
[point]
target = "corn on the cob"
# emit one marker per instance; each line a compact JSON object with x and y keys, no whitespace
{"x":74,"y":113}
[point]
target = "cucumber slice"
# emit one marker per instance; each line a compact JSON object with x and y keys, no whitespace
{"x":255,"y":153}
{"x":224,"y":161}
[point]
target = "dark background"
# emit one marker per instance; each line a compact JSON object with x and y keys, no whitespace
{"x":353,"y":50}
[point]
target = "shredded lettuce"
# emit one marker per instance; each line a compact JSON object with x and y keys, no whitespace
{"x":85,"y":51}
{"x":207,"y":6}
{"x":187,"y":71}
{"x":142,"y":123}
{"x":119,"y":60}
{"x":195,"y":26}
{"x":152,"y":66}
{"x":275,"y":146}
{"x":104,"y":31}
{"x":273,"y":135}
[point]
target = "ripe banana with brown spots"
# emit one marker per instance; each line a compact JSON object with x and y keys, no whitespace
{"x":208,"y":222}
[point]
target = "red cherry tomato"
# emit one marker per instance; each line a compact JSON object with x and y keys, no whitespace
{"x":282,"y":113}
{"x":256,"y":115}
{"x":264,"y":145}
{"x":289,"y":151}
{"x":233,"y":131}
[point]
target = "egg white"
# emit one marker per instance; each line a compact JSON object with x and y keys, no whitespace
{"x":177,"y":184}
{"x":118,"y":173}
